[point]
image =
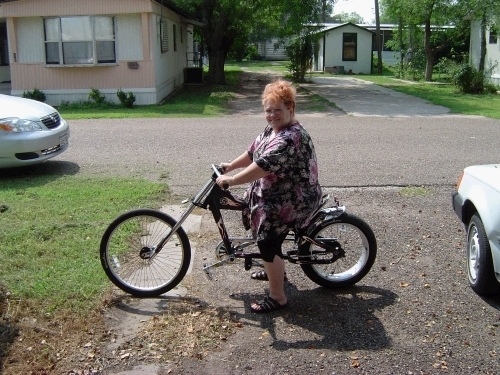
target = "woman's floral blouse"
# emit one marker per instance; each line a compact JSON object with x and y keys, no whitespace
{"x":286,"y":197}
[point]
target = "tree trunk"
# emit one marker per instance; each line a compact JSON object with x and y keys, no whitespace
{"x":379,"y":44}
{"x":401,"y":54}
{"x":429,"y":55}
{"x":218,"y":40}
{"x":216,"y":63}
{"x":482,"y":52}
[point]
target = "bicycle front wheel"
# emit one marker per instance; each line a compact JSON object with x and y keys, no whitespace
{"x":359,"y":244}
{"x":131,"y":258}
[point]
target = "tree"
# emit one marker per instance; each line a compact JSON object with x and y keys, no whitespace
{"x":326,"y":9}
{"x":348,"y":17}
{"x":301,"y":51}
{"x":427,"y":13}
{"x":228,"y":20}
{"x":377,"y":33}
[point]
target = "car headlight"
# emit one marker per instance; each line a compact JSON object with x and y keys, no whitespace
{"x":18,"y":125}
{"x":459,"y":181}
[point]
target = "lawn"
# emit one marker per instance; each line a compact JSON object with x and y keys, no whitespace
{"x":50,"y":228}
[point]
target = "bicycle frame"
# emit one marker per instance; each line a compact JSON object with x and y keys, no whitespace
{"x":215,"y":199}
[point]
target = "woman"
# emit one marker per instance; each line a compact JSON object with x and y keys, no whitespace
{"x":282,"y":169}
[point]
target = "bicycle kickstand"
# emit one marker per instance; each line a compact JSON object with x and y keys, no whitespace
{"x":206,"y":266}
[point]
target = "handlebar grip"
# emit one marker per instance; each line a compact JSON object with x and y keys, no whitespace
{"x":225,"y":186}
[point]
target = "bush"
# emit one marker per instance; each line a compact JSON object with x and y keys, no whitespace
{"x":490,"y":88}
{"x":300,"y":52}
{"x":468,"y":79}
{"x":127,"y":99}
{"x":96,"y":96}
{"x":253,"y":53}
{"x":35,"y":95}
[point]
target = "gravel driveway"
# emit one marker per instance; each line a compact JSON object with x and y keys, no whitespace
{"x":413,"y":314}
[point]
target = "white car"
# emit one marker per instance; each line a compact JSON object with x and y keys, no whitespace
{"x":477,"y":204}
{"x":30,"y":132}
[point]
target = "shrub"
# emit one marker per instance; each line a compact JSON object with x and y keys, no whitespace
{"x":490,"y":88}
{"x":253,"y":53}
{"x":300,"y":52}
{"x":468,"y":79}
{"x":127,"y":99}
{"x":35,"y":95}
{"x":96,"y":96}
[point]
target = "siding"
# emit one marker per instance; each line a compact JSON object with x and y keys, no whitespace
{"x":491,"y":63}
{"x":137,"y":40}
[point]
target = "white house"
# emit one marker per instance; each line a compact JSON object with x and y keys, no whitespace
{"x":492,"y":61}
{"x":345,"y":48}
{"x":67,"y":47}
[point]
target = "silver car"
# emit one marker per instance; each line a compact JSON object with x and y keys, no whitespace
{"x":30,"y":132}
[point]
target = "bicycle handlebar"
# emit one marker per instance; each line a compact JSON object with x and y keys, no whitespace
{"x":218,"y":172}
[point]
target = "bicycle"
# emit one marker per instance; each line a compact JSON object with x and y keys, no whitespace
{"x":146,"y":252}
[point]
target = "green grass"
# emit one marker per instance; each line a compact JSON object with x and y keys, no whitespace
{"x":50,"y":230}
{"x":413,"y":191}
{"x":446,"y":95}
{"x":278,"y":67}
{"x":189,"y":101}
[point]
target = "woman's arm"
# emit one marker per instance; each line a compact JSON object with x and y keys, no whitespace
{"x":241,"y":161}
{"x":249,"y":174}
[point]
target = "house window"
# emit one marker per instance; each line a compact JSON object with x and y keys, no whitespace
{"x":164,"y":35}
{"x":350,"y":47}
{"x":4,"y":50}
{"x":493,"y":35}
{"x":174,"y":35}
{"x":80,"y":40}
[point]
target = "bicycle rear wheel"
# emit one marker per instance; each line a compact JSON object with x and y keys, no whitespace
{"x":130,"y":257}
{"x":359,"y":244}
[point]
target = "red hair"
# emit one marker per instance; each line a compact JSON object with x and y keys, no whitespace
{"x":280,"y":90}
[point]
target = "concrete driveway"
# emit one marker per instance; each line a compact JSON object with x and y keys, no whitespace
{"x":363,"y":98}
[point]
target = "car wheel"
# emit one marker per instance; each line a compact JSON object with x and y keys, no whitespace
{"x":479,"y":260}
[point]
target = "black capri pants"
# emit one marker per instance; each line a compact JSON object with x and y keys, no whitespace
{"x":271,"y":246}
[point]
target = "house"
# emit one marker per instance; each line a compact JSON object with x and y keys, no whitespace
{"x":66,"y":47}
{"x":272,"y":49}
{"x":344,"y":48}
{"x":492,"y":60}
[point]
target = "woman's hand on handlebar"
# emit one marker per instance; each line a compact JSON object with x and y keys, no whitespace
{"x":224,"y":181}
{"x":226,"y":167}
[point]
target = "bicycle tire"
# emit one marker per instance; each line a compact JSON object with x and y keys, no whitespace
{"x":360,"y":246}
{"x":126,"y":248}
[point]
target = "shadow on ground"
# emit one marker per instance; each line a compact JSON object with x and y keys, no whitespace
{"x":344,"y":320}
{"x":50,"y":169}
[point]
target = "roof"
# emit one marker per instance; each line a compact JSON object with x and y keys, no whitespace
{"x":333,"y":26}
{"x":371,"y":27}
{"x":170,"y":4}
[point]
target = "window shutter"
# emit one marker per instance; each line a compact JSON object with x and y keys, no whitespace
{"x":164,"y":35}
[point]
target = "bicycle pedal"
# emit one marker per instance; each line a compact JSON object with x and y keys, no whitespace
{"x":208,"y":274}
